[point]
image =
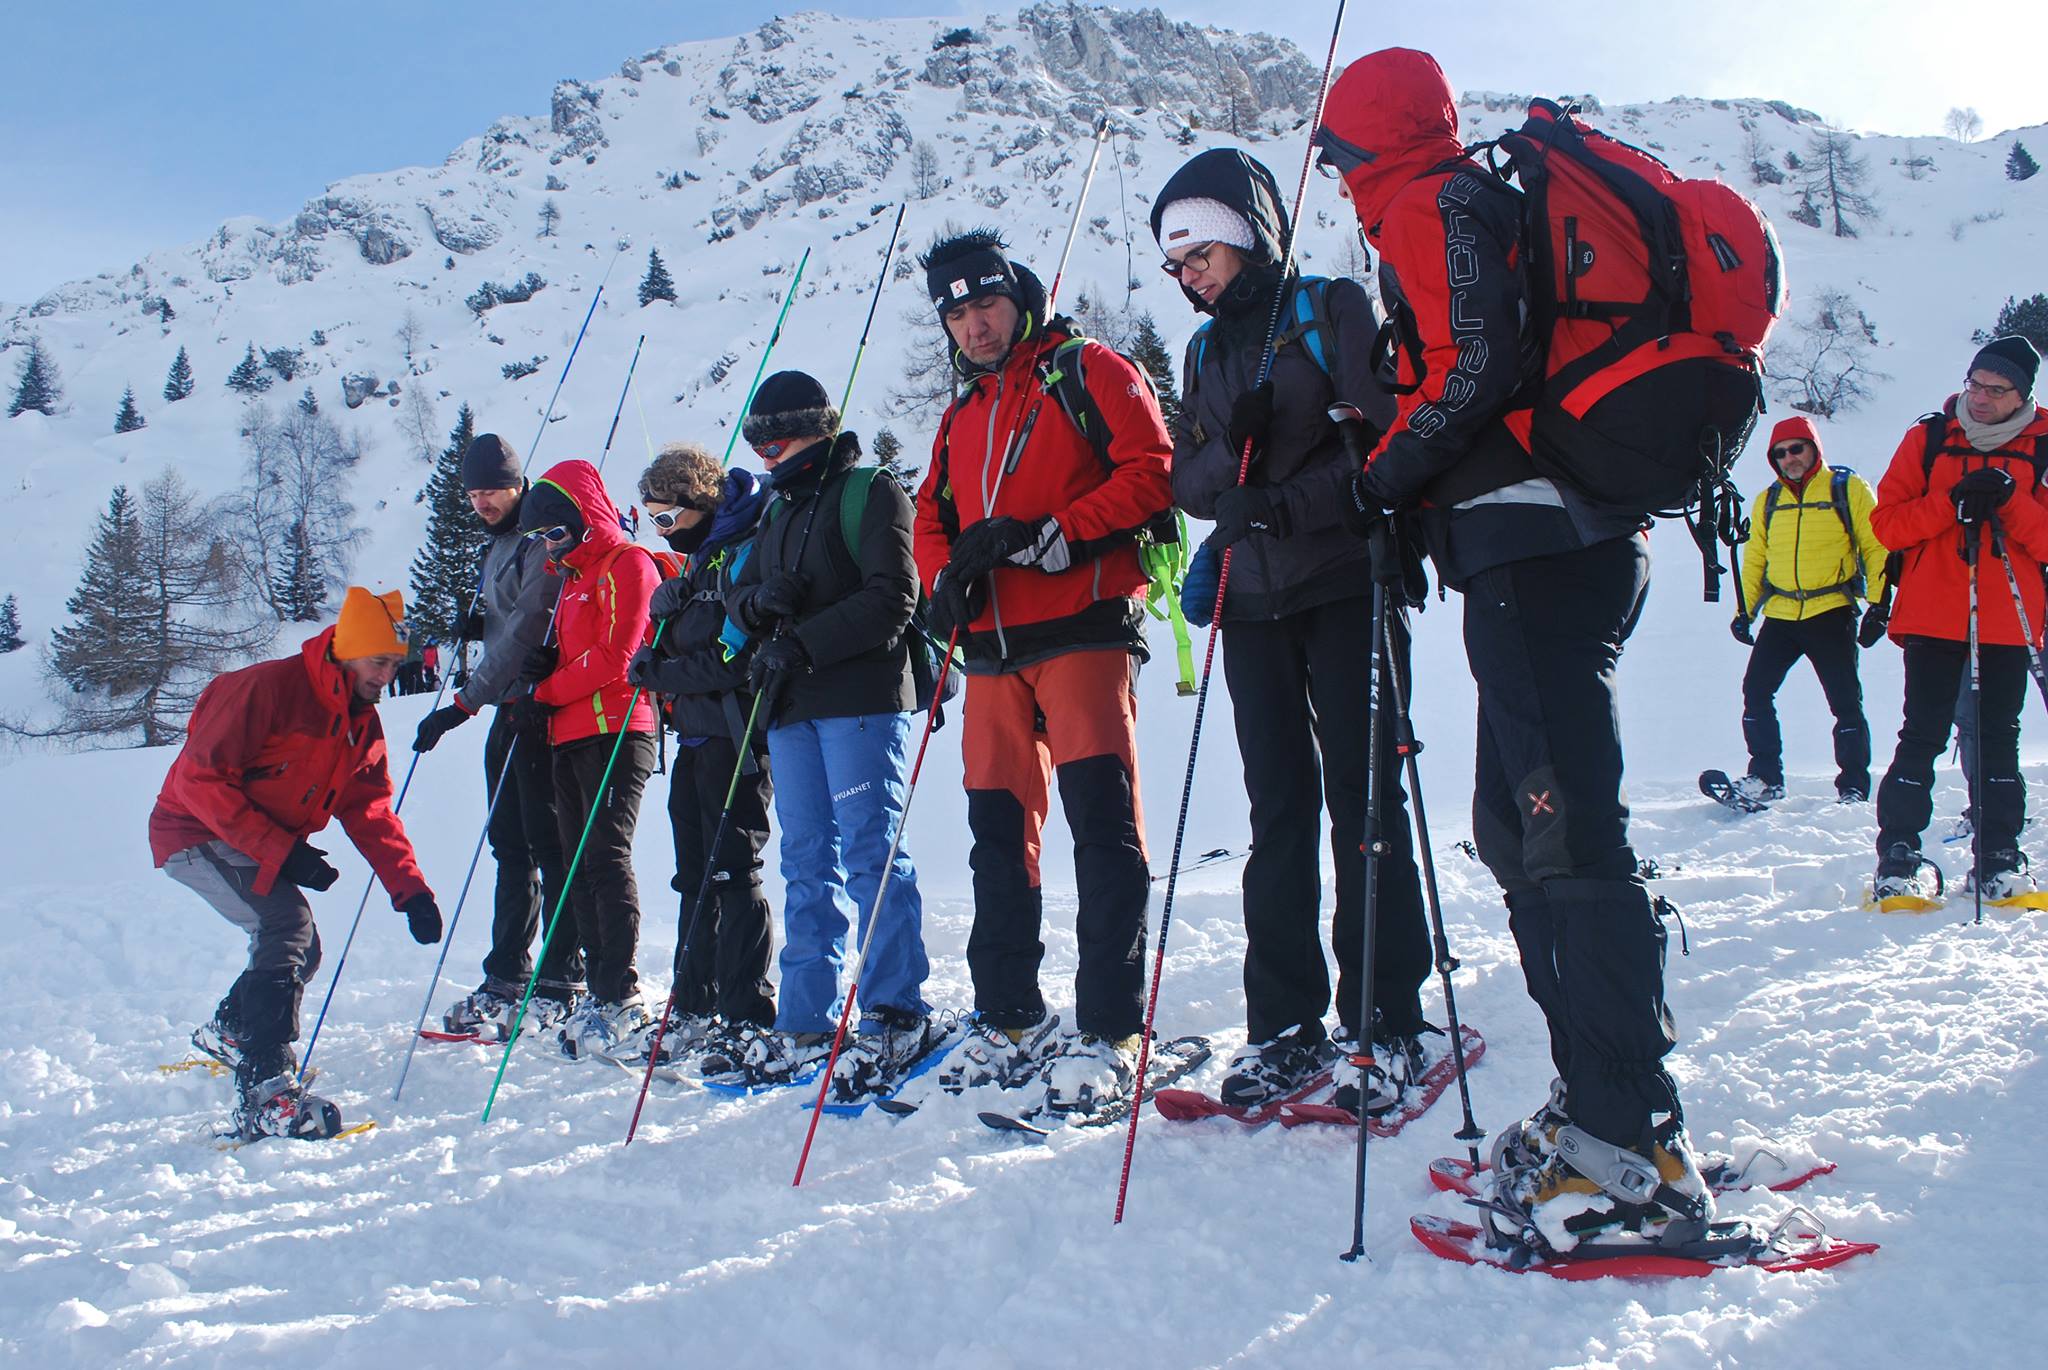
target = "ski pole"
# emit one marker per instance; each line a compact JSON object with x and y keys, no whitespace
{"x":547,"y":415}
{"x":775,"y":336}
{"x":867,"y":937}
{"x":1187,"y":788}
{"x":753,"y":714}
{"x":2019,"y":605}
{"x":1074,"y":224}
{"x":1970,"y":549}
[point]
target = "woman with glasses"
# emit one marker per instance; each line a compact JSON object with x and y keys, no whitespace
{"x":1957,"y":479}
{"x":1811,"y":554}
{"x":1296,"y":633}
{"x":599,"y":776}
{"x":709,"y":518}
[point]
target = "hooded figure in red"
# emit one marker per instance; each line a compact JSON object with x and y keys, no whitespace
{"x":599,"y":775}
{"x":1553,"y":586}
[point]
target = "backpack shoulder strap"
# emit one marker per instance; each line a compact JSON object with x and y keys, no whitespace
{"x":1064,"y":376}
{"x":1934,"y":428}
{"x":1838,"y":495}
{"x":1310,"y":311}
{"x":853,"y":506}
{"x":1771,"y":502}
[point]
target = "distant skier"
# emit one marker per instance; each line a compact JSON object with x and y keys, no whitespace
{"x":1026,"y":530}
{"x":273,"y":751}
{"x":1810,"y":556}
{"x":1979,"y":460}
{"x":1553,"y":585}
{"x":1296,"y":634}
{"x":513,"y":612}
{"x":599,"y":774}
{"x":710,"y":518}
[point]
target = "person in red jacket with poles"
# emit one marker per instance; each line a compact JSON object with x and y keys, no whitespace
{"x":272,"y":752}
{"x":1958,"y":475}
{"x":1025,"y":537}
{"x":581,"y":677}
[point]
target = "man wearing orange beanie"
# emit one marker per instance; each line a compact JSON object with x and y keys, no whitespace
{"x":272,"y":752}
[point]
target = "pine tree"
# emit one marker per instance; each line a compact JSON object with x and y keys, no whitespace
{"x":2026,"y":318}
{"x":300,"y":593}
{"x":167,"y":313}
{"x":2019,"y":163}
{"x":36,"y":384}
{"x":1834,"y":181}
{"x":110,"y":608}
{"x":1148,"y":350}
{"x":249,"y":377}
{"x":888,"y":450}
{"x":444,"y":571}
{"x":550,"y":216}
{"x":178,"y":384}
{"x":128,"y":418}
{"x":656,"y":285}
{"x":307,"y":404}
{"x":11,"y":639}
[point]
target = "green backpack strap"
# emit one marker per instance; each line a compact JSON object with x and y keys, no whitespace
{"x":853,"y":506}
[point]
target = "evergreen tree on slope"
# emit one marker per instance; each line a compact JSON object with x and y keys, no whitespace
{"x":178,"y":383}
{"x":656,"y":284}
{"x":445,"y":569}
{"x":128,"y":418}
{"x":36,"y":384}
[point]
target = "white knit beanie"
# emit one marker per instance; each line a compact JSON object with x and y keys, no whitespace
{"x":1201,"y":220}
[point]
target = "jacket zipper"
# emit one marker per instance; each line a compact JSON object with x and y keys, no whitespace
{"x":988,"y":451}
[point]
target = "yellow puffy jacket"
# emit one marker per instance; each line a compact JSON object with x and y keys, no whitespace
{"x":1799,"y":560}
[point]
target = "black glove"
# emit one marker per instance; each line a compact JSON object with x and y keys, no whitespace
{"x":1363,"y":511}
{"x":1246,"y":509}
{"x":1876,"y":619}
{"x":1739,"y":626}
{"x":423,"y":916}
{"x":779,"y":596}
{"x":775,"y":661}
{"x":955,"y":604}
{"x":669,"y":598}
{"x":1251,"y":419}
{"x":640,"y":670}
{"x":1981,"y":494}
{"x":529,"y":718}
{"x":473,"y":627}
{"x":540,"y":663}
{"x":306,"y":868}
{"x":983,"y":546}
{"x":1047,"y":550}
{"x":437,"y":724}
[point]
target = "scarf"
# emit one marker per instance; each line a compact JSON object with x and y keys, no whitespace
{"x":1989,"y":437}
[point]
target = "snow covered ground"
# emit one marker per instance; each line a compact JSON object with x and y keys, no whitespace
{"x":1906,"y":1049}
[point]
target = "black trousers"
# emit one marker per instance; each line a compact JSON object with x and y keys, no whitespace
{"x":1829,"y":641}
{"x":527,"y":845}
{"x":1935,"y":668}
{"x":1298,"y":693}
{"x":721,"y":963}
{"x":1544,"y":637}
{"x":602,"y":895}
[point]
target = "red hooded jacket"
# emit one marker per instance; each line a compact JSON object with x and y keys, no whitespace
{"x":273,"y":751}
{"x":606,"y":583}
{"x":1916,"y":517}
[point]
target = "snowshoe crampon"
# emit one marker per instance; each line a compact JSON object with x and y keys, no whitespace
{"x":1764,"y":1169}
{"x":1798,"y":1241}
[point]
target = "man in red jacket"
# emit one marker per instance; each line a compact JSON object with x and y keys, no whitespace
{"x":606,"y":584}
{"x":1956,"y":477}
{"x":1025,"y":537}
{"x":273,"y":751}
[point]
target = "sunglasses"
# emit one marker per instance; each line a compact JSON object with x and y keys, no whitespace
{"x":1196,"y":257}
{"x":666,"y":520}
{"x":1976,"y":387}
{"x":559,"y":533}
{"x":1790,"y":449}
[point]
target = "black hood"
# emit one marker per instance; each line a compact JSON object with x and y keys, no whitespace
{"x":1242,"y":182}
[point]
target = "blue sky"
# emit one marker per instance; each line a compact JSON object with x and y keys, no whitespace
{"x":131,"y":126}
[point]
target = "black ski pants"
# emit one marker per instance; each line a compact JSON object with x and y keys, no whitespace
{"x":1935,"y":668}
{"x":526,"y":842}
{"x":1544,"y":636}
{"x":603,"y":896}
{"x":721,"y":963}
{"x":1828,"y":640}
{"x":1298,"y":694}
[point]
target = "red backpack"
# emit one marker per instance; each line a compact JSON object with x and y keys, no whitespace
{"x":1652,"y":296}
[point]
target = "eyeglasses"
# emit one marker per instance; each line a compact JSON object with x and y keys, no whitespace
{"x":1790,"y":449}
{"x":1196,"y":257}
{"x":772,"y":451}
{"x":1977,"y":387}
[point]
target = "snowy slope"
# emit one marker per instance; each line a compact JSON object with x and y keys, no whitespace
{"x":1908,"y":1051}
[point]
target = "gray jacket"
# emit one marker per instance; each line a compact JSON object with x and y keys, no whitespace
{"x":518,"y":603}
{"x":1319,"y":561}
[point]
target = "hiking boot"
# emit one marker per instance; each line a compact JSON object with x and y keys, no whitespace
{"x":1755,"y":791}
{"x":1262,"y":1072}
{"x":1086,"y":1071}
{"x":751,"y":1054}
{"x":1903,"y":871}
{"x":999,"y":1056}
{"x":551,"y":1007}
{"x":486,"y":1011}
{"x":1382,"y":1093}
{"x":1528,"y":1144}
{"x":1851,"y":794}
{"x":270,"y":1101}
{"x":687,"y":1034}
{"x":1591,"y":1188}
{"x":888,"y":1043}
{"x":606,"y":1029}
{"x":219,"y":1038}
{"x":2005,"y":877}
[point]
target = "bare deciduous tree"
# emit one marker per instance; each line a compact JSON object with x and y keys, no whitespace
{"x":409,"y":332}
{"x":1833,"y":179}
{"x":1963,"y":125}
{"x":419,"y":420}
{"x":297,"y":473}
{"x":925,"y":180}
{"x":1822,"y":363}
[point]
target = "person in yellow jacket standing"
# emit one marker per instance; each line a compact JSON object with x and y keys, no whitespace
{"x":1810,"y":556}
